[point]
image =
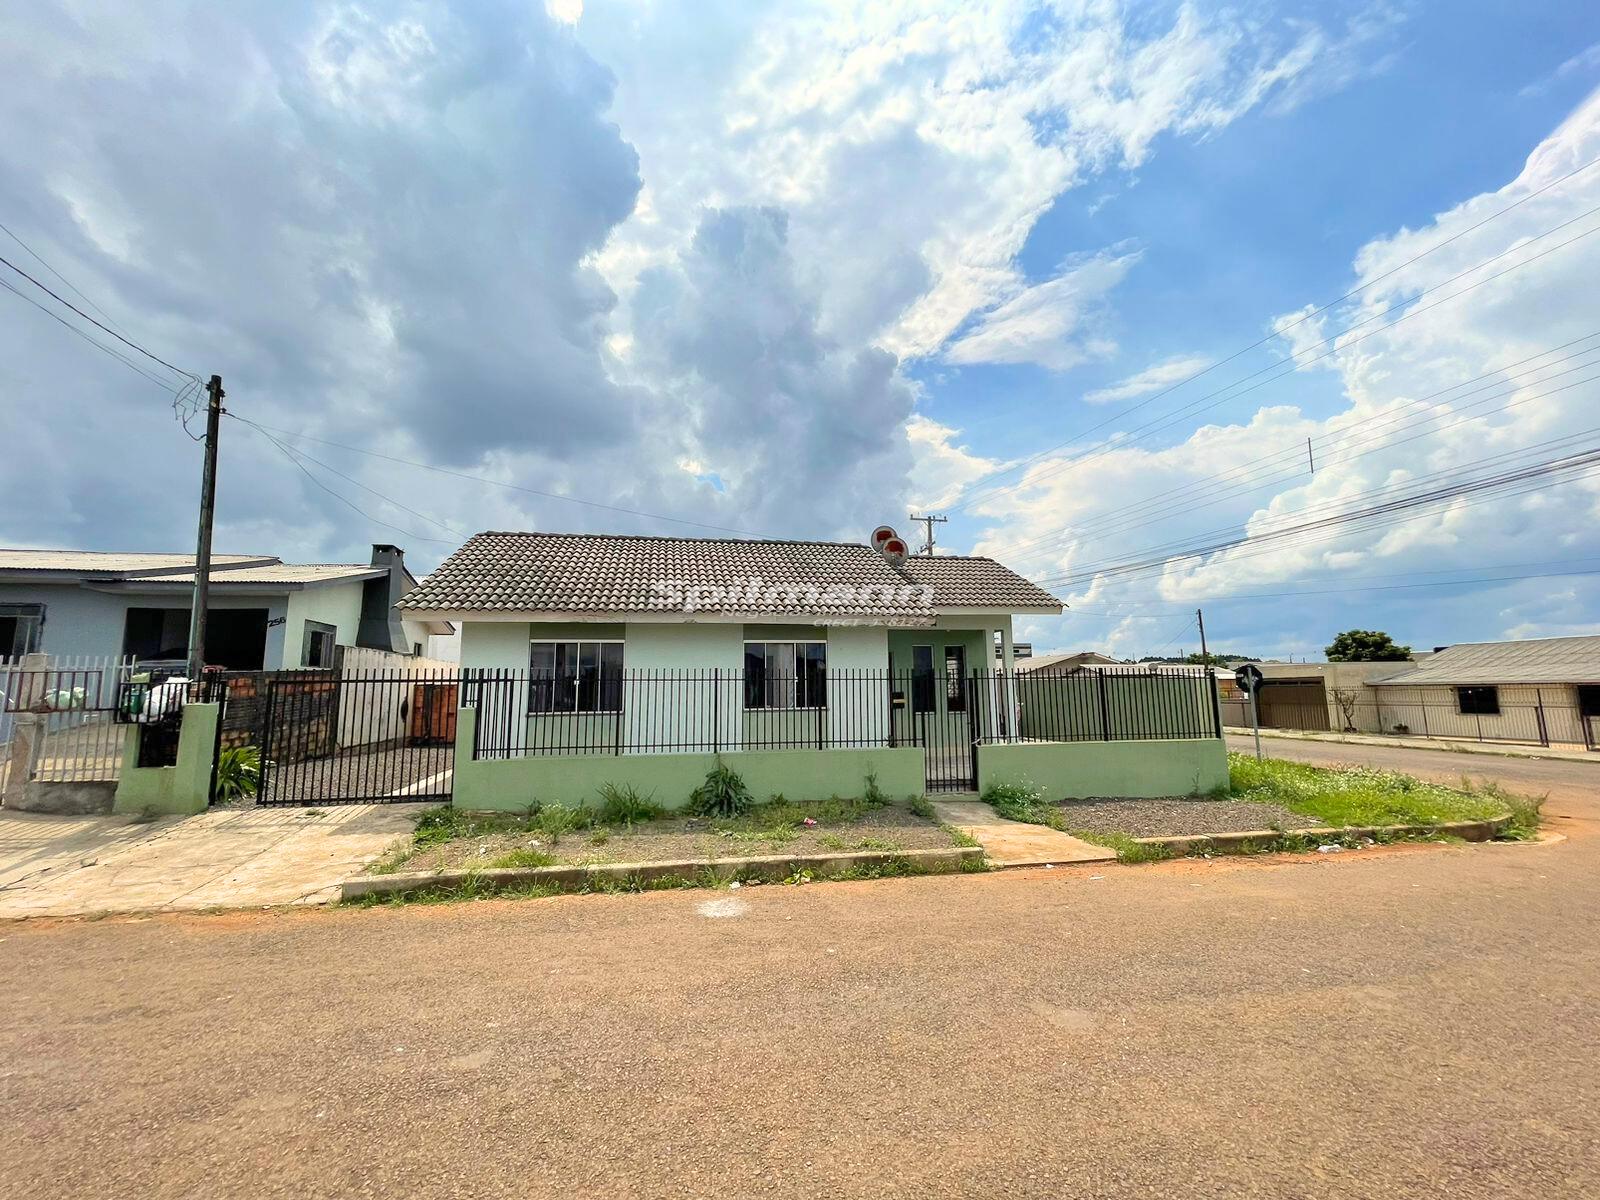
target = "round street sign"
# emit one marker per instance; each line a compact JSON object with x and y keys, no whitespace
{"x":1248,"y":677}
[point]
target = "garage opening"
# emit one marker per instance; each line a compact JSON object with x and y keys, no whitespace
{"x":236,"y":638}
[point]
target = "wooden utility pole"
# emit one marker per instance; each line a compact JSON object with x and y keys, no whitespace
{"x":202,"y":553}
{"x":929,"y":521}
{"x":1200,"y":616}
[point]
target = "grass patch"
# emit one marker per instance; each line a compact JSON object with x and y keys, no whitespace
{"x":523,"y":858}
{"x":1339,"y":796}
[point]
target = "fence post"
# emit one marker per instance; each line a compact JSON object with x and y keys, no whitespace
{"x":1216,"y":700}
{"x":716,"y":710}
{"x":1105,"y":708}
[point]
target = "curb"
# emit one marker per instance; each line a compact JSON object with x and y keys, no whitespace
{"x":1467,"y":831}
{"x":773,"y":868}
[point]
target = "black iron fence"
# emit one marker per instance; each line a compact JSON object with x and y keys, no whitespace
{"x":521,"y":713}
{"x":1533,"y":724}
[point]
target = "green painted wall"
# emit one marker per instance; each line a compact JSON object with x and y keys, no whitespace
{"x":514,"y":783}
{"x":181,"y":789}
{"x":1133,"y":769}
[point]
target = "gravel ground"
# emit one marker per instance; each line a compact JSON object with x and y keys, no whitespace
{"x":1174,"y":815}
{"x":361,"y":773}
{"x":669,"y":841}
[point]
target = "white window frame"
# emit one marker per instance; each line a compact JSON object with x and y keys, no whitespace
{"x":794,"y":680}
{"x":575,"y":711}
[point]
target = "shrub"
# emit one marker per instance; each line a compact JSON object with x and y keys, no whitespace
{"x":723,"y":794}
{"x":625,"y":806}
{"x":238,"y":773}
{"x":874,"y":794}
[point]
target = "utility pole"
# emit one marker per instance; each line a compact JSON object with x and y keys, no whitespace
{"x":929,"y":521}
{"x":202,"y":553}
{"x":1311,"y":459}
{"x":1200,"y":616}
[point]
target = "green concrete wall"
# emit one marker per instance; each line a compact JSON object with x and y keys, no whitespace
{"x":512,"y":784}
{"x":181,"y":789}
{"x":1191,"y":766}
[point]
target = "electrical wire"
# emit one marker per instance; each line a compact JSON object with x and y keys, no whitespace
{"x":1283,"y":369}
{"x":1386,"y":509}
{"x":346,"y":501}
{"x":1107,"y":524}
{"x":97,"y":324}
{"x":1278,"y":332}
{"x":163,"y":384}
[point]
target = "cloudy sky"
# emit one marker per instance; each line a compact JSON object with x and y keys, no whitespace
{"x":1084,"y":276}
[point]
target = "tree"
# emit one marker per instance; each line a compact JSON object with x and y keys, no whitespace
{"x":1366,"y":645}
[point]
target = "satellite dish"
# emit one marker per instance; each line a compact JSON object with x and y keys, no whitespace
{"x":882,"y":534}
{"x":895,"y":551}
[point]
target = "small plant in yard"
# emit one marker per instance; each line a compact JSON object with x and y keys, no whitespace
{"x":553,"y":820}
{"x":922,"y":807}
{"x":623,"y":805}
{"x":238,"y":773}
{"x":723,"y":794}
{"x":874,"y":794}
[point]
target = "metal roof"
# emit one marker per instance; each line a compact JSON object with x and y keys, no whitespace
{"x":1534,"y":660}
{"x":99,"y":562}
{"x":608,"y":575}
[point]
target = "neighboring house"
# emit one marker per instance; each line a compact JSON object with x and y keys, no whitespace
{"x":1307,"y":695}
{"x":1540,"y":689}
{"x":725,"y":639}
{"x":1019,"y":651}
{"x":262,"y":614}
{"x":1064,"y":664}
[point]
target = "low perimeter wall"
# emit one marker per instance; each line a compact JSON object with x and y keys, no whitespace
{"x":511,"y":784}
{"x":1135,"y":769}
{"x":182,"y":789}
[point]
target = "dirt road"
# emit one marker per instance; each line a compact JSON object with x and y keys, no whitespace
{"x":1417,"y":1021}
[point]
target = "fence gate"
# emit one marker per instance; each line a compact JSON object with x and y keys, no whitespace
{"x":376,"y":737}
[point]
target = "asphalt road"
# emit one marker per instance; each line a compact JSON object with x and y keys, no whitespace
{"x":1411,"y":1021}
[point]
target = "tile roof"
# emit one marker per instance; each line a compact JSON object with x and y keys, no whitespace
{"x":607,"y":574}
{"x":1535,"y":660}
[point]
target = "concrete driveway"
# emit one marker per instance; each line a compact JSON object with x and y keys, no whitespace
{"x":74,"y":866}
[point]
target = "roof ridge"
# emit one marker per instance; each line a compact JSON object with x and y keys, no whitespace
{"x":668,"y":537}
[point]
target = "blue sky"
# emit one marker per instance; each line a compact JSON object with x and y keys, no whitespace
{"x":793,"y":269}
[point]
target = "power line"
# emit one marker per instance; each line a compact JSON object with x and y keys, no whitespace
{"x":163,"y":384}
{"x":1285,"y":368}
{"x":1157,"y":610}
{"x":1108,"y":523}
{"x":98,"y":325}
{"x":515,"y":487}
{"x":1276,"y":333}
{"x":1402,"y":504}
{"x":67,"y":283}
{"x":345,"y":500}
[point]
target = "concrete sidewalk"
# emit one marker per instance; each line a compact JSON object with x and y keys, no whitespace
{"x":1451,"y":745}
{"x":1015,"y":843}
{"x":225,"y":858}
